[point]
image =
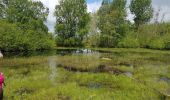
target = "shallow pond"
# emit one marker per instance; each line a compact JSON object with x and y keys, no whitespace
{"x":84,"y":74}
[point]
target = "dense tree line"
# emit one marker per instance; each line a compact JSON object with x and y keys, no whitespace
{"x":22,"y":26}
{"x":108,"y":27}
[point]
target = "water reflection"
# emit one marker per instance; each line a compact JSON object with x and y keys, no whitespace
{"x":53,"y":67}
{"x":129,"y":74}
{"x":61,"y":52}
{"x":165,"y":79}
{"x":29,"y":53}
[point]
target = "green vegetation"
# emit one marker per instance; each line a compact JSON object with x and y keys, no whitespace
{"x":155,"y":36}
{"x":39,"y":77}
{"x":96,"y":74}
{"x":13,"y":38}
{"x":129,"y":41}
{"x":22,"y":26}
{"x":112,"y":22}
{"x":110,"y":28}
{"x":71,"y":25}
{"x":142,"y":10}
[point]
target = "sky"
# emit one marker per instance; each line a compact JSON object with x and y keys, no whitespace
{"x":94,"y":5}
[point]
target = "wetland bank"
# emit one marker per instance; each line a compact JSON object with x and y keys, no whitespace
{"x":87,"y":74}
{"x":52,"y":68}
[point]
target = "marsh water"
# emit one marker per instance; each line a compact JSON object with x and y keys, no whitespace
{"x":85,"y":74}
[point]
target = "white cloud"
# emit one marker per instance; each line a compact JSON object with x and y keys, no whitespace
{"x":92,"y":7}
{"x":51,"y":19}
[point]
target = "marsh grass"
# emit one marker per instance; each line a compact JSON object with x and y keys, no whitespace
{"x":82,"y":62}
{"x":29,"y":78}
{"x":79,"y":87}
{"x":9,"y":62}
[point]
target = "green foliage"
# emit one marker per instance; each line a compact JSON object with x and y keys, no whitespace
{"x":71,"y":25}
{"x":166,"y":39}
{"x":36,"y":25}
{"x":24,"y":28}
{"x":143,"y":11}
{"x":70,"y":42}
{"x":2,"y":8}
{"x":107,"y":41}
{"x":27,"y":14}
{"x":111,"y":22}
{"x":154,"y":36}
{"x":14,"y":38}
{"x":145,"y":34}
{"x":10,"y":36}
{"x":24,"y":11}
{"x":157,"y":44}
{"x":39,"y":40}
{"x":93,"y":38}
{"x":130,"y":41}
{"x":167,"y":45}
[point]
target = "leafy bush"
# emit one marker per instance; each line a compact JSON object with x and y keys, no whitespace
{"x":167,"y":45}
{"x":167,"y":41}
{"x":145,"y":33}
{"x":10,"y":36}
{"x":13,"y":38}
{"x":107,"y":41}
{"x":39,"y":40}
{"x":157,"y":44}
{"x":92,"y":40}
{"x":154,"y":36}
{"x":129,"y":42}
{"x":69,"y":42}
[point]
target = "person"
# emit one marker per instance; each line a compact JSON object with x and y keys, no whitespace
{"x":1,"y":85}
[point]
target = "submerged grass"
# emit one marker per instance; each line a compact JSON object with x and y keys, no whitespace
{"x":94,"y":76}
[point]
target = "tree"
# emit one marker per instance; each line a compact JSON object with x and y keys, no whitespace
{"x":143,"y":11}
{"x":23,"y":26}
{"x":112,"y":17}
{"x":25,"y":10}
{"x":28,"y":13}
{"x":106,"y":2}
{"x":14,"y":38}
{"x":71,"y":22}
{"x":93,"y":36}
{"x":2,"y":8}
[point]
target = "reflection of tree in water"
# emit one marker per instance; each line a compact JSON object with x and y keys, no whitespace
{"x":53,"y":67}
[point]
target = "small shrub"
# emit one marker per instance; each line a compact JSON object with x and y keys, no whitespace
{"x":129,"y":42}
{"x":107,"y":41}
{"x":157,"y":44}
{"x":167,"y":45}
